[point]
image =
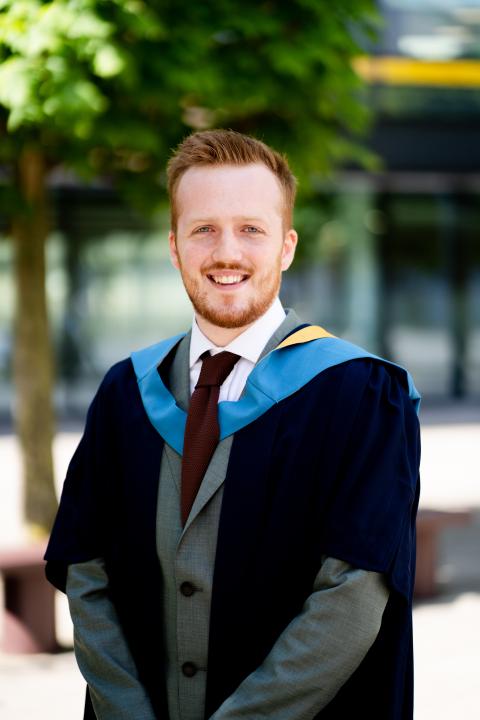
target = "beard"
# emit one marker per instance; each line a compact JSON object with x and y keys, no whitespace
{"x":228,"y":312}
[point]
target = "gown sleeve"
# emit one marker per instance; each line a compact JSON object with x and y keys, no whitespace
{"x":372,"y":503}
{"x":79,"y":527}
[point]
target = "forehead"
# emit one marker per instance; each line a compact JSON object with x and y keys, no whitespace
{"x":219,"y":190}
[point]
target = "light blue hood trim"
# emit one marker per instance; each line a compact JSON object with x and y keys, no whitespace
{"x":277,"y":376}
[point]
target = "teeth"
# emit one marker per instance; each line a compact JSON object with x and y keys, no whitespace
{"x":227,"y":279}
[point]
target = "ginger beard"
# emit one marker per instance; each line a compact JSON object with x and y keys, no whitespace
{"x":237,"y":309}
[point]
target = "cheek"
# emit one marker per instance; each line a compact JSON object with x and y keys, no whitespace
{"x":275,"y":259}
{"x":193,"y":258}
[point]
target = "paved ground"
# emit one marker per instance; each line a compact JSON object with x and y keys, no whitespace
{"x":447,"y":630}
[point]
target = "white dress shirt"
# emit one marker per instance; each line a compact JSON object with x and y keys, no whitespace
{"x":248,"y":346}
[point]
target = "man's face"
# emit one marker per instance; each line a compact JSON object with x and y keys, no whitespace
{"x":230,"y":245}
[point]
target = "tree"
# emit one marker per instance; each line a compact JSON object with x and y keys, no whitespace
{"x":107,"y":87}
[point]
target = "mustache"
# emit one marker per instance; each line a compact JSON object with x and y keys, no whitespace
{"x":233,"y":267}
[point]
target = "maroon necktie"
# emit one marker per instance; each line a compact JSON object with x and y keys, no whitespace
{"x":202,"y":430}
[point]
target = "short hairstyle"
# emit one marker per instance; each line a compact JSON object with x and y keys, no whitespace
{"x":228,"y":147}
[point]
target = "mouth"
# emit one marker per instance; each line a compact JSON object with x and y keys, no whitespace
{"x":228,"y":280}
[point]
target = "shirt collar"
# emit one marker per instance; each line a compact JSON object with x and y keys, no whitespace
{"x":249,"y":344}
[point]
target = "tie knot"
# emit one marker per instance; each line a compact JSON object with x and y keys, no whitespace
{"x":216,"y":368}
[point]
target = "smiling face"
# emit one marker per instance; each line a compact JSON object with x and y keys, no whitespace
{"x":230,"y":244}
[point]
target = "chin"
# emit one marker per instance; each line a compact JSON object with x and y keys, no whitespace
{"x":231,"y":317}
{"x":228,"y":319}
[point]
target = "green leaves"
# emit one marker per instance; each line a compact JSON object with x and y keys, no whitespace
{"x":108,"y":62}
{"x":111,"y":85}
{"x":45,"y":74}
{"x":16,"y":82}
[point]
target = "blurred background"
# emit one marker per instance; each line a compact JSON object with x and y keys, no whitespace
{"x":377,"y":105}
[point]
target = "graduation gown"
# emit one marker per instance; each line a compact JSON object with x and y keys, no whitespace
{"x":324,"y":461}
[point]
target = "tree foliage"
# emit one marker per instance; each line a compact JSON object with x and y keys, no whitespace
{"x":109,"y":86}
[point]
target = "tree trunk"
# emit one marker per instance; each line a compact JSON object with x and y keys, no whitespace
{"x":33,"y":363}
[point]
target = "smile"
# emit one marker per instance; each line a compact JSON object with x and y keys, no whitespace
{"x":228,"y":280}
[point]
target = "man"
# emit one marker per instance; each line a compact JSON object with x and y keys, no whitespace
{"x":236,"y":530}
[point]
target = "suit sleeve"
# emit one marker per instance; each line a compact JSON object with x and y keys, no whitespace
{"x":318,"y":651}
{"x":101,"y":650}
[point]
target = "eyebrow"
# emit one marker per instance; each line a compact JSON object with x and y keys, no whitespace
{"x":243,"y":218}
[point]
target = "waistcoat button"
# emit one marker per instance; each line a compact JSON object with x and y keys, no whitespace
{"x":187,"y":589}
{"x":189,"y":669}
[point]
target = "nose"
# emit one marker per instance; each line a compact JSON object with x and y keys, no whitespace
{"x":228,"y":248}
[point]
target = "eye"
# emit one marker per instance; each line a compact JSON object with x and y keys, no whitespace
{"x":252,"y":229}
{"x":203,"y":229}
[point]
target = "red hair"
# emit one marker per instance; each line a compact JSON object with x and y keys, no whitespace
{"x":227,"y":147}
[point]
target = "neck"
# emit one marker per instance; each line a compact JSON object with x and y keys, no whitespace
{"x":220,"y":336}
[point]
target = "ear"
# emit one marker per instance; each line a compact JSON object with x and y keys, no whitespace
{"x":173,"y":250}
{"x":288,"y":250}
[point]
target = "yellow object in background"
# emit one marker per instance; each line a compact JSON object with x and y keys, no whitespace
{"x":408,"y":71}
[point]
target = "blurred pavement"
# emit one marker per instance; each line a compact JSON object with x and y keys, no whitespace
{"x":446,"y":630}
